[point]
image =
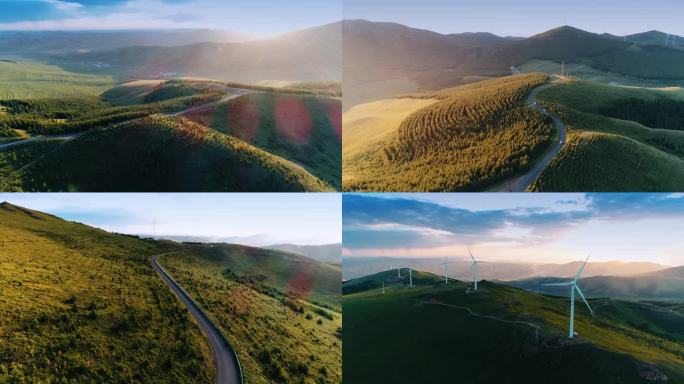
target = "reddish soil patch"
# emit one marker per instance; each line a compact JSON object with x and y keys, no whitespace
{"x":293,"y":120}
{"x":243,"y":118}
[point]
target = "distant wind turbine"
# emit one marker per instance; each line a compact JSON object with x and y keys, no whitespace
{"x":574,"y":287}
{"x":383,"y":287}
{"x":446,"y":272}
{"x":410,"y":277}
{"x":474,"y":268}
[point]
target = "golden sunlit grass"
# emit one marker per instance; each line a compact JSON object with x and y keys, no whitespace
{"x":78,"y":304}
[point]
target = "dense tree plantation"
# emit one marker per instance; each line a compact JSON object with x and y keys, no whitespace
{"x":304,"y":129}
{"x":475,"y":136}
{"x":81,"y":305}
{"x":158,"y":154}
{"x":280,"y":335}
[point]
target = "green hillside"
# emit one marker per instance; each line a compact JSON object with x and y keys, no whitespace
{"x":281,"y":311}
{"x":304,"y":129}
{"x":501,"y":335}
{"x":390,"y":278}
{"x":158,"y":154}
{"x":608,"y":138}
{"x":474,"y":136}
{"x":29,"y":79}
{"x":78,"y":304}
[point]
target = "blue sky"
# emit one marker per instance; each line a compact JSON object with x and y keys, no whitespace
{"x":517,"y":227}
{"x":256,"y":218}
{"x":524,"y":17}
{"x":259,"y":18}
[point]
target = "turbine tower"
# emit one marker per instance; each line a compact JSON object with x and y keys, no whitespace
{"x":474,"y":268}
{"x":410,"y":278}
{"x":574,"y":287}
{"x":383,"y":287}
{"x":446,"y":272}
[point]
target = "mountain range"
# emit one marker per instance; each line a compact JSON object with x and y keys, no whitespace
{"x":385,"y":59}
{"x":355,"y":267}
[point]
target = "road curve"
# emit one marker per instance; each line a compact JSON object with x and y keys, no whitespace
{"x":228,"y":369}
{"x":522,"y":183}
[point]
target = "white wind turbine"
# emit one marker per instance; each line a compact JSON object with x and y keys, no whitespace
{"x":574,"y":287}
{"x":446,"y":271}
{"x":474,"y":269}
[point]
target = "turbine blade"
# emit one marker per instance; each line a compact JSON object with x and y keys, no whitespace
{"x":581,"y":268}
{"x":560,"y":284}
{"x":583,"y":298}
{"x":471,"y":254}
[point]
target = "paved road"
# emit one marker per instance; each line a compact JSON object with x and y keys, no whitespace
{"x":65,"y":137}
{"x":228,"y":369}
{"x":522,"y":183}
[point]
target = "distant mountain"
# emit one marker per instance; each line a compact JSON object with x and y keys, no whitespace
{"x":50,"y":42}
{"x":382,"y":60}
{"x":663,"y":284}
{"x":355,"y":267}
{"x":329,"y":253}
{"x":656,"y":38}
{"x":308,"y":55}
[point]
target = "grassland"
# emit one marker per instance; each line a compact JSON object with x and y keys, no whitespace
{"x":473,"y":137}
{"x":617,"y":131}
{"x":78,"y":304}
{"x":155,"y":154}
{"x":29,"y":80}
{"x":281,"y":312}
{"x":303,"y":129}
{"x":426,"y":334}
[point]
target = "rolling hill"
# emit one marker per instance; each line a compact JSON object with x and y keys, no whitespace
{"x":158,"y":154}
{"x":667,"y":284}
{"x":27,"y":43}
{"x":80,"y":304}
{"x":385,"y":59}
{"x":617,"y":130}
{"x":328,"y":253}
{"x":307,"y":55}
{"x":305,"y":129}
{"x":504,"y":334}
{"x":478,"y":134}
{"x":282,"y":311}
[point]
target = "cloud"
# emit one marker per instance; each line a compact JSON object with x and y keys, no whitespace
{"x":64,"y":5}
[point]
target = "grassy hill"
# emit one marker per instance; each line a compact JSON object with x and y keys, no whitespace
{"x":23,"y":79}
{"x":78,"y":304}
{"x":611,"y":134}
{"x":327,"y":253}
{"x":281,"y":311}
{"x":661,"y":285}
{"x":511,"y":335}
{"x":475,"y":136}
{"x":304,"y":129}
{"x":158,"y":154}
{"x":391,"y":278}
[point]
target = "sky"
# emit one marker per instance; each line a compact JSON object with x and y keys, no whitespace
{"x":257,"y":18}
{"x":528,"y":228}
{"x":246,"y":218}
{"x":524,"y":17}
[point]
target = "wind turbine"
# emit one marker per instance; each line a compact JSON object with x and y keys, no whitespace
{"x":474,"y":268}
{"x":383,"y":287}
{"x":446,"y":272}
{"x":410,"y":277}
{"x":573,"y":286}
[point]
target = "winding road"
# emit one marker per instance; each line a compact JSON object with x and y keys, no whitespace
{"x":522,"y":183}
{"x":228,"y":370}
{"x":234,"y":93}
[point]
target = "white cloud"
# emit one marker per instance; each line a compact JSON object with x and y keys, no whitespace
{"x":64,"y":5}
